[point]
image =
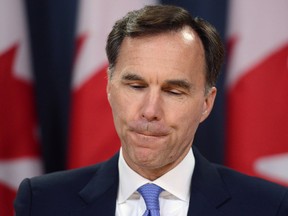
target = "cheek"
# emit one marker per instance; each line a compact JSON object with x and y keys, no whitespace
{"x":123,"y":106}
{"x":189,"y":113}
{"x":188,"y":119}
{"x":117,"y":101}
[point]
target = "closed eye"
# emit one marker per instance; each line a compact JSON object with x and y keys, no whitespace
{"x":137,"y":85}
{"x":177,"y":87}
{"x":134,"y":81}
{"x":175,"y":92}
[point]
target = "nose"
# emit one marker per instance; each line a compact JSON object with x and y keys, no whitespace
{"x":152,"y":106}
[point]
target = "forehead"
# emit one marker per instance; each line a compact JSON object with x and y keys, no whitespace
{"x":184,"y":37}
{"x":169,"y":52}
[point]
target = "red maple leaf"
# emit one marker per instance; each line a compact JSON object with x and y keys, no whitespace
{"x":17,"y":111}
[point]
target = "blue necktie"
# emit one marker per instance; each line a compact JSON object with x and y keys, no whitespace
{"x":150,"y":194}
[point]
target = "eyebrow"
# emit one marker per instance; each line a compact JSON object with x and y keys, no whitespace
{"x":184,"y":84}
{"x":179,"y":83}
{"x":131,"y":77}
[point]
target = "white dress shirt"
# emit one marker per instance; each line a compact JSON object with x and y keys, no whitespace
{"x":174,"y":200}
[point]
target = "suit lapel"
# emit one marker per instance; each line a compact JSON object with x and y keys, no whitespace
{"x":208,"y":191}
{"x":100,"y":194}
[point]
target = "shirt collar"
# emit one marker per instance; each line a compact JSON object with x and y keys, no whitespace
{"x":177,"y":181}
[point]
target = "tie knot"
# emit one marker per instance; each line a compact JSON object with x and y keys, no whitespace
{"x":150,"y":194}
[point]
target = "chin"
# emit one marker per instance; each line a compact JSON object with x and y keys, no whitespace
{"x":144,"y":156}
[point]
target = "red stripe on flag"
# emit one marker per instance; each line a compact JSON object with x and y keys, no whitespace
{"x":17,"y":112}
{"x":18,"y":137}
{"x":257,"y":113}
{"x":7,"y":197}
{"x":93,"y":137}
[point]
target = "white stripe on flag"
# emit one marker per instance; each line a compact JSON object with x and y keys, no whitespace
{"x":13,"y":32}
{"x":267,"y":21}
{"x":96,"y":19}
{"x":12,"y":172}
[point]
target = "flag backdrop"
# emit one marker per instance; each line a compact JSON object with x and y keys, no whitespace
{"x":19,"y":143}
{"x":69,"y":77}
{"x":257,"y":81}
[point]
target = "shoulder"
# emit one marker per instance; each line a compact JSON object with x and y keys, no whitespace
{"x":63,"y":179}
{"x":238,"y":185}
{"x":75,"y":178}
{"x":61,"y":183}
{"x":247,"y":190}
{"x":59,"y":191}
{"x":235,"y":179}
{"x":234,"y":193}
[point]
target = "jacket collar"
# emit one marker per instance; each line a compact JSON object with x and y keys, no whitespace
{"x":208,"y":191}
{"x":100,"y":194}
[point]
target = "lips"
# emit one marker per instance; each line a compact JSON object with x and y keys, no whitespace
{"x":143,"y":127}
{"x":150,"y":134}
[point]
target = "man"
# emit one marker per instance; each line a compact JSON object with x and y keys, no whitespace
{"x":163,"y":65}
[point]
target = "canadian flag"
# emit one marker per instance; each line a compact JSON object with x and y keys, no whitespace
{"x":92,"y":134}
{"x":19,"y":147}
{"x":258,"y":89}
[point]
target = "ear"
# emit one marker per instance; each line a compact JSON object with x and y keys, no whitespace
{"x":208,"y":103}
{"x":108,"y":87}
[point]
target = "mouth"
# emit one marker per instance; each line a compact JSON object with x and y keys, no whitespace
{"x":149,"y":129}
{"x":146,"y":140}
{"x":150,"y":134}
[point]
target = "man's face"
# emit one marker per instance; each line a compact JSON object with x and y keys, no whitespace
{"x":157,"y":96}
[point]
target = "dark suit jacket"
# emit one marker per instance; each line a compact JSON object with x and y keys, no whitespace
{"x":90,"y":191}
